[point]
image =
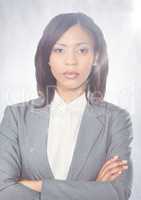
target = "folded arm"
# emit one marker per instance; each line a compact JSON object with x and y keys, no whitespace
{"x":119,"y":189}
{"x":10,"y":167}
{"x":10,"y":161}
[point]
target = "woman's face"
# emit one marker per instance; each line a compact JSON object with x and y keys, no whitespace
{"x":72,"y":57}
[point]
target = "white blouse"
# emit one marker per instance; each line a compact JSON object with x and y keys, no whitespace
{"x":63,"y":129}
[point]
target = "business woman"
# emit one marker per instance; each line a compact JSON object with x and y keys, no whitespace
{"x":67,"y":144}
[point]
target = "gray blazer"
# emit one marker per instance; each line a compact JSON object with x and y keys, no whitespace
{"x":105,"y":131}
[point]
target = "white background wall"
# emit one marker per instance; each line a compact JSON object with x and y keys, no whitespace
{"x":21,"y":26}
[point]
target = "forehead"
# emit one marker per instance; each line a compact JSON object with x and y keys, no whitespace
{"x":76,"y":34}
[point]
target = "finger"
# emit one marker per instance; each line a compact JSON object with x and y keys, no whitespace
{"x":108,"y":162}
{"x":116,"y":172}
{"x":105,"y":177}
{"x":114,"y":176}
{"x":106,"y":167}
{"x":117,"y":164}
{"x":110,"y":176}
{"x":118,"y":169}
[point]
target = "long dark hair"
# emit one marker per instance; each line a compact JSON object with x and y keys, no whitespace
{"x":96,"y":82}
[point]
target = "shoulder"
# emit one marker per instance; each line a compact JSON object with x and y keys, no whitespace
{"x":112,"y":111}
{"x":120,"y":118}
{"x":21,"y":109}
{"x":117,"y":111}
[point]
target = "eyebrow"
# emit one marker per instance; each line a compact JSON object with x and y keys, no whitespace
{"x":79,"y":43}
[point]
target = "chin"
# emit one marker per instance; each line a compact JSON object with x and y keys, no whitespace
{"x":72,"y":87}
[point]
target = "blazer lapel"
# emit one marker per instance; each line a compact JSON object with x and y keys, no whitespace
{"x":41,"y":120}
{"x":90,"y":128}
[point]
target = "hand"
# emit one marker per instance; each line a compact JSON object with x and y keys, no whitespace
{"x":32,"y":184}
{"x":112,"y":169}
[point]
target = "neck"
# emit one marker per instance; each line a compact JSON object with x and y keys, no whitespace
{"x":70,"y":94}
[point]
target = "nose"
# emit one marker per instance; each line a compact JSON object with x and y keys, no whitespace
{"x":70,"y":58}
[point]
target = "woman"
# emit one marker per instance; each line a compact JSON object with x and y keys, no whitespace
{"x":68,"y":143}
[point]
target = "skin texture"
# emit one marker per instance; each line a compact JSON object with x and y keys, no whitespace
{"x":73,"y":57}
{"x":68,"y":55}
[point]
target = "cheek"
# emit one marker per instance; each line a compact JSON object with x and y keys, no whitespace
{"x":55,"y":71}
{"x":86,"y":64}
{"x":55,"y":66}
{"x":85,"y":69}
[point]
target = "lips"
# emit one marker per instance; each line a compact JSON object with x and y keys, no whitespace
{"x":71,"y":75}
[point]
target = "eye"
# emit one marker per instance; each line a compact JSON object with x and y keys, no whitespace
{"x":58,"y":50}
{"x":83,"y":50}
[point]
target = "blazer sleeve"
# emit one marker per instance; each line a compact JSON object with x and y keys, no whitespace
{"x":119,"y":189}
{"x":10,"y":161}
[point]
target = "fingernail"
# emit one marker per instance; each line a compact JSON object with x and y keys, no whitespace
{"x":116,"y":157}
{"x":119,"y":172}
{"x":124,"y":161}
{"x":125,"y":167}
